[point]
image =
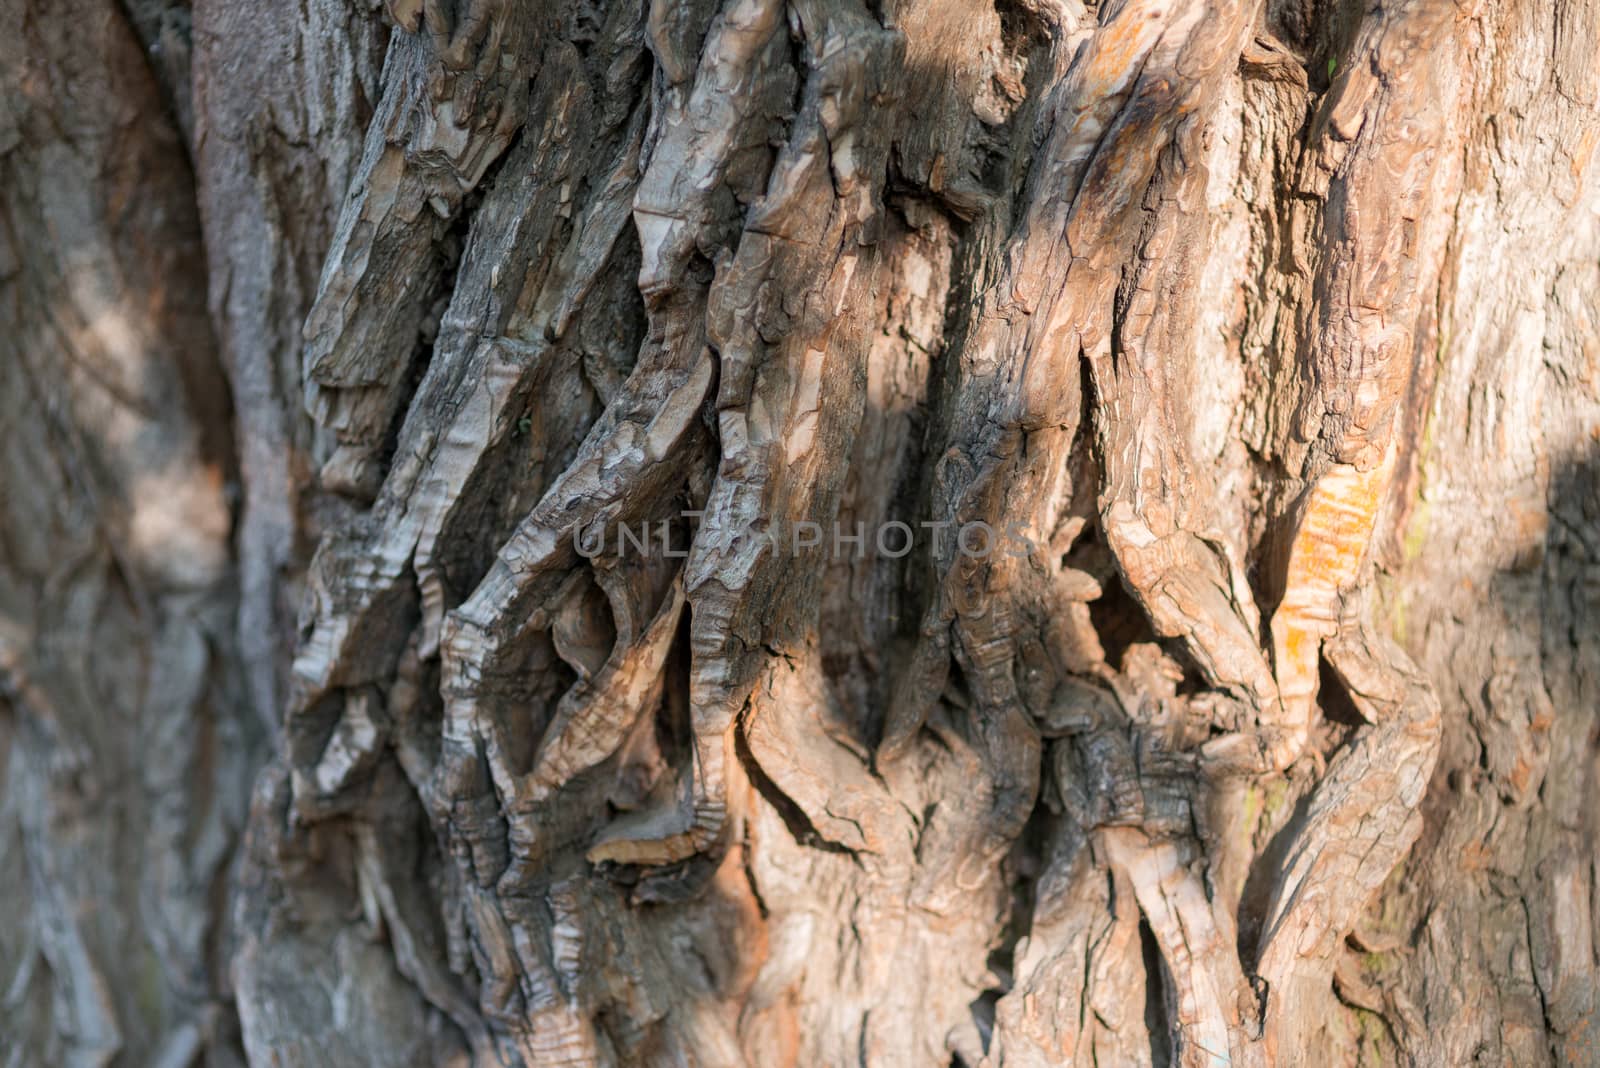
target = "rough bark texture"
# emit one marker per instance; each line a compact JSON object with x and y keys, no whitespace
{"x":1235,"y":365}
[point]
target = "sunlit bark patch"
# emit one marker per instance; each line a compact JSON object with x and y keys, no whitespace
{"x":1331,"y":542}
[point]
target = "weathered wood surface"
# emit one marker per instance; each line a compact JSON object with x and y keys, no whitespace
{"x":1263,"y":336}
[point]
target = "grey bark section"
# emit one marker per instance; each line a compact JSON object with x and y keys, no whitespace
{"x":1260,"y":336}
{"x":124,"y":756}
{"x":283,"y":95}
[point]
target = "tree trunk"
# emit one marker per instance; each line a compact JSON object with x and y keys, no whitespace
{"x":818,"y":533}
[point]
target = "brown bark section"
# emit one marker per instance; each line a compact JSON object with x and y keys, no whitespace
{"x":1259,"y":336}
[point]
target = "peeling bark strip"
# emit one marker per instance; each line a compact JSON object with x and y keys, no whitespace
{"x":1263,"y":332}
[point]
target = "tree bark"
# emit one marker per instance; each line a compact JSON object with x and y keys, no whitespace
{"x":800,"y":533}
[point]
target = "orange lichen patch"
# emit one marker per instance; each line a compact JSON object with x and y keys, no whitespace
{"x":1119,"y":46}
{"x":1521,"y":775}
{"x":1324,"y":560}
{"x":1542,"y":720}
{"x":1474,"y":856}
{"x":1582,"y":154}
